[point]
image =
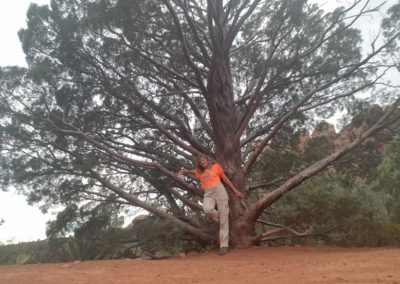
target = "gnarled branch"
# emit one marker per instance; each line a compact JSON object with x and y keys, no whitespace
{"x":264,"y":236}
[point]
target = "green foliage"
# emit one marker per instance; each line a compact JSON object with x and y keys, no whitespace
{"x":285,"y":156}
{"x":387,"y":182}
{"x":158,"y":236}
{"x":94,"y":241}
{"x":367,"y":116}
{"x":318,"y":148}
{"x":22,"y":259}
{"x":64,"y":222}
{"x":315,"y":201}
{"x":355,"y":203}
{"x":391,"y":24}
{"x":343,"y":216}
{"x":113,"y":243}
{"x":98,"y":234}
{"x":283,"y":163}
{"x":26,"y":253}
{"x":70,"y":249}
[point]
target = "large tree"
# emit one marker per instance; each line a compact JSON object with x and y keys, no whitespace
{"x":120,"y":94}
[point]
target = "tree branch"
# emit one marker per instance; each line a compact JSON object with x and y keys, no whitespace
{"x":121,"y":158}
{"x":162,"y":214}
{"x":262,"y":237}
{"x":185,"y":48}
{"x":269,"y":198}
{"x":293,"y":110}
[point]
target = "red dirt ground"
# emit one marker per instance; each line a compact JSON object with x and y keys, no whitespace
{"x":253,"y":265}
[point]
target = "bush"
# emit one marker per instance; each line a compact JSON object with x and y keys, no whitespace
{"x":29,"y":252}
{"x":343,"y":216}
{"x":163,"y":236}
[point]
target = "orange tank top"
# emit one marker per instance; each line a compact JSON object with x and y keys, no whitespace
{"x":210,"y":176}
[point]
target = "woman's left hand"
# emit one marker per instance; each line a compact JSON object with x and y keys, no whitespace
{"x":238,"y":194}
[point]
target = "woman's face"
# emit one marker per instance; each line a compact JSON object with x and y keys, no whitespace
{"x":203,"y":162}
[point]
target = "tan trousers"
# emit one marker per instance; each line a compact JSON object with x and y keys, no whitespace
{"x":216,"y":195}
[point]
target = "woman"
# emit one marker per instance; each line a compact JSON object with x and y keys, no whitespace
{"x":210,"y":175}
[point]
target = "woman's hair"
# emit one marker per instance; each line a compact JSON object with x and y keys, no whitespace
{"x":197,"y":165}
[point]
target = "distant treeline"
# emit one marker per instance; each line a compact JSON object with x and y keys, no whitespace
{"x":152,"y":235}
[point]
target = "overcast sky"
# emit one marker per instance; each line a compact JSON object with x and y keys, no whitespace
{"x":21,"y":221}
{"x":24,"y":222}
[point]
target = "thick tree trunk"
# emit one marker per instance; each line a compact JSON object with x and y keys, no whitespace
{"x":241,"y":232}
{"x":227,"y":151}
{"x":228,"y":155}
{"x":225,"y":122}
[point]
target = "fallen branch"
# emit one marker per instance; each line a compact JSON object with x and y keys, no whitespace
{"x":324,"y":233}
{"x":163,"y":256}
{"x":263,"y":236}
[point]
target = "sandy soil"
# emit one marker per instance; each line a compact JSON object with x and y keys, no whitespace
{"x":253,"y":265}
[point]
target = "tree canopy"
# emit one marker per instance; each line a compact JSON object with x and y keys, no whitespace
{"x":121,"y":94}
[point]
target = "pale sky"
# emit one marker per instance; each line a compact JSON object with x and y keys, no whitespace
{"x":21,"y":221}
{"x":27,"y":223}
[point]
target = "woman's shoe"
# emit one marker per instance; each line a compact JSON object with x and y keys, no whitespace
{"x":223,"y":251}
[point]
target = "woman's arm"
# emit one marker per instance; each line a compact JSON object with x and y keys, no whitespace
{"x":228,"y":182}
{"x":185,"y":172}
